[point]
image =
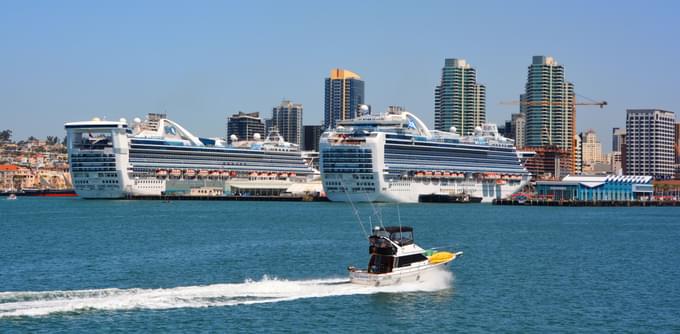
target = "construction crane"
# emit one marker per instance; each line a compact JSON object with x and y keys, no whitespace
{"x":601,"y":104}
{"x":583,"y":101}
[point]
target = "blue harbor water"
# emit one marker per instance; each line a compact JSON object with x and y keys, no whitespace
{"x":73,"y":265}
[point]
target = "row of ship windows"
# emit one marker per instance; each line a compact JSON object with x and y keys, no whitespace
{"x":334,"y":183}
{"x":99,"y":164}
{"x":346,"y":170}
{"x":346,"y":156}
{"x":400,"y":154}
{"x":444,"y":143}
{"x":93,"y":160}
{"x":148,"y":181}
{"x":435,"y":165}
{"x":91,"y":155}
{"x":328,"y":162}
{"x":196,"y":152}
{"x":216,"y":163}
{"x":79,"y":182}
{"x":165,"y":157}
{"x":439,"y":151}
{"x":90,"y":169}
{"x":463,"y":160}
{"x":447,"y":147}
{"x":346,"y":164}
{"x":353,"y":189}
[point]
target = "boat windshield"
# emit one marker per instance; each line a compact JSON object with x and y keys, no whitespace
{"x":402,"y":238}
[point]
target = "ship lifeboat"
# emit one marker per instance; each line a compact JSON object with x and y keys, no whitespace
{"x":460,"y":175}
{"x":428,"y":173}
{"x":272,"y":174}
{"x":490,"y":176}
{"x":420,"y":174}
{"x":215,"y":173}
{"x":233,"y":173}
{"x":189,"y":173}
{"x":500,"y":182}
{"x":253,"y":174}
{"x":437,"y":174}
{"x":203,"y":173}
{"x":176,"y":172}
{"x":292,"y":174}
{"x":446,"y":174}
{"x":283,"y":175}
{"x":161,"y":172}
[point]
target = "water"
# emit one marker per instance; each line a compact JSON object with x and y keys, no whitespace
{"x":77,"y":265}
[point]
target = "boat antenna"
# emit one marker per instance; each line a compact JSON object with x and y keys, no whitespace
{"x":354,"y":209}
{"x":376,"y":212}
{"x":399,"y":218}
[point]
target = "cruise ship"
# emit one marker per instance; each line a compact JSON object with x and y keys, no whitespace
{"x":394,"y":157}
{"x":157,"y":156}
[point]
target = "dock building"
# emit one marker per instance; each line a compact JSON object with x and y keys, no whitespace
{"x":597,"y":188}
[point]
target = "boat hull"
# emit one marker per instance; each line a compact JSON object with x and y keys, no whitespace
{"x":410,"y":275}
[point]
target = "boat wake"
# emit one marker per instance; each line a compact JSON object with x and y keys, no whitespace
{"x":266,"y":290}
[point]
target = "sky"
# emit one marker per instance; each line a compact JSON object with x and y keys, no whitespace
{"x":200,"y":61}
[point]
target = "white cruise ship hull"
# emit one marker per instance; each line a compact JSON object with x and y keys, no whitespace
{"x":409,"y":191}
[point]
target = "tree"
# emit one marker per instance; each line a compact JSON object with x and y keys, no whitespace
{"x":52,"y":140}
{"x":6,"y":135}
{"x":64,"y":142}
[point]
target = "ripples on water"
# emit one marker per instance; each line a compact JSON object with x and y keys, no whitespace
{"x":257,"y":267}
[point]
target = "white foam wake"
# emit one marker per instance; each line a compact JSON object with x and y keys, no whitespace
{"x":267,"y":290}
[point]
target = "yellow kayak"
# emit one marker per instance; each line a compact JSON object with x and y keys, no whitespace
{"x":440,"y":257}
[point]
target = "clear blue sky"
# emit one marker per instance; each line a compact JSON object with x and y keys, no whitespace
{"x":200,"y":60}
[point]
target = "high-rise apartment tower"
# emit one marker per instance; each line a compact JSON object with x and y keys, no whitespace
{"x":459,"y":101}
{"x":344,"y":95}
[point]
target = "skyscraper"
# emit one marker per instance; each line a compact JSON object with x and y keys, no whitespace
{"x":591,"y":148}
{"x":618,"y":139}
{"x":514,"y":129}
{"x":287,"y":118}
{"x":244,"y":126}
{"x":459,"y":101}
{"x":549,"y":108}
{"x":677,"y":151}
{"x":578,"y":154}
{"x":518,"y":122}
{"x":312,"y":133}
{"x":344,"y":94}
{"x":649,"y":142}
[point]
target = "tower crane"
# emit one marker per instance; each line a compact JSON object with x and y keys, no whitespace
{"x":580,"y":102}
{"x":600,"y":104}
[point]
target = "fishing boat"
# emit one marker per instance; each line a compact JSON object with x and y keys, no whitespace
{"x":11,"y":197}
{"x":395,"y":258}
